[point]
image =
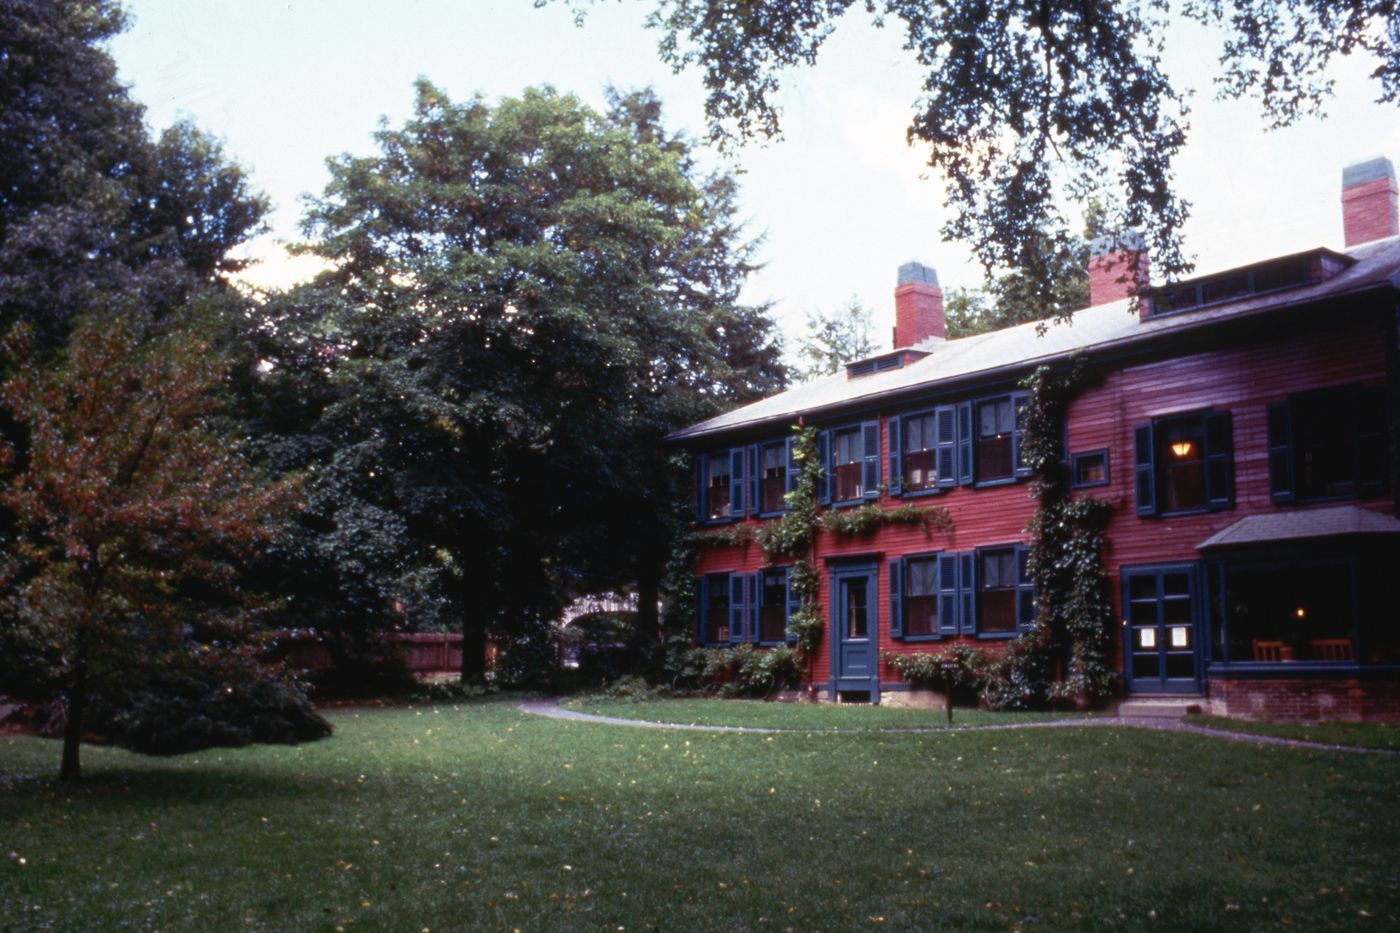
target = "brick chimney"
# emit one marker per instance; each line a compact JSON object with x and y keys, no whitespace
{"x":918,"y":306}
{"x":1117,"y":267}
{"x":1369,"y":207}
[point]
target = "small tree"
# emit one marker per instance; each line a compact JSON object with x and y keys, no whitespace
{"x":833,"y":339}
{"x":129,"y":512}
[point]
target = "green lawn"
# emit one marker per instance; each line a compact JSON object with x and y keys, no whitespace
{"x":798,"y":716}
{"x":1364,"y":734}
{"x":479,"y":817}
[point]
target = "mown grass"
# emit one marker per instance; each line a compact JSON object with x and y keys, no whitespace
{"x":798,"y":716}
{"x":479,"y":817}
{"x":1361,"y":734}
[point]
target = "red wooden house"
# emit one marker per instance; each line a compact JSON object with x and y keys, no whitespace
{"x":1244,"y":424}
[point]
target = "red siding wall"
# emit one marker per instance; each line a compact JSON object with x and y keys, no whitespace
{"x":1242,"y":379}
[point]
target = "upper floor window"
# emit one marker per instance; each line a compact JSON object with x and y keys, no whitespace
{"x":1090,"y":469}
{"x":972,"y":443}
{"x":923,"y":450}
{"x":772,"y":476}
{"x":996,"y":428}
{"x":717,"y":487}
{"x":720,"y":485}
{"x":1329,"y":444}
{"x":989,"y":439}
{"x":846,"y":457}
{"x":1184,"y":463}
{"x":852,"y":459}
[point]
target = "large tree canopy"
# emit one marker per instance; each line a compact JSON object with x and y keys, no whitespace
{"x":1025,"y":101}
{"x":90,"y":205}
{"x":525,"y":298}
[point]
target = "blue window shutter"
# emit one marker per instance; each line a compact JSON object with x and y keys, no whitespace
{"x":870,"y":459}
{"x":965,"y":443}
{"x":1220,"y":461}
{"x":755,"y":503}
{"x":824,"y":458}
{"x":737,"y":607}
{"x":945,"y":418}
{"x":1145,"y":469}
{"x":794,"y":472}
{"x":1281,"y":487}
{"x":794,"y":605}
{"x":1025,"y":589}
{"x":755,"y":584}
{"x":1020,"y":404}
{"x":896,"y":458}
{"x":967,"y":592}
{"x":896,"y":598}
{"x":948,"y":594}
{"x":700,"y":487}
{"x":736,"y":482}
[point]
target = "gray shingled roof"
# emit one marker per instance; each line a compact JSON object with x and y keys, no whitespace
{"x":1307,"y":523}
{"x":1018,"y":348}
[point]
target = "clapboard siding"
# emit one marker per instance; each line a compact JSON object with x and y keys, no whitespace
{"x":1242,"y":378}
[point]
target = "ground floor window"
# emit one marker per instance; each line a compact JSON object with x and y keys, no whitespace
{"x":997,"y":584}
{"x":744,"y":607}
{"x":773,"y":611}
{"x":1324,"y":608}
{"x":715,"y":610}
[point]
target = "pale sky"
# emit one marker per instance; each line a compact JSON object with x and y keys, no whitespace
{"x":841,"y":201}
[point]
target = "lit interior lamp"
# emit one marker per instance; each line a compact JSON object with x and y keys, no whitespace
{"x":1300,"y":612}
{"x":1182,"y":449}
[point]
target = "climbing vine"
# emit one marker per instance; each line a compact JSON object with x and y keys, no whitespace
{"x":732,"y":536}
{"x":869,"y":518}
{"x":793,"y":535}
{"x":1066,"y":654}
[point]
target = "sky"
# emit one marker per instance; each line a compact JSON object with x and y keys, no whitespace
{"x":841,"y":201}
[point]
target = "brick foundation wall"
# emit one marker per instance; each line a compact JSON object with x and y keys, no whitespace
{"x":1296,"y":700}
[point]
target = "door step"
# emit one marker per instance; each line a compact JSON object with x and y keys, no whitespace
{"x":1160,"y":707}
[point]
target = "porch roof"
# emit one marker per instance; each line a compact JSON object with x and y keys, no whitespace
{"x":1308,"y":523}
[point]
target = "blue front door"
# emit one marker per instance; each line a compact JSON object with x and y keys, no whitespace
{"x":1161,"y":610}
{"x":854,"y":649}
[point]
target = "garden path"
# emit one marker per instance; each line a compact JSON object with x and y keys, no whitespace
{"x":550,"y":707}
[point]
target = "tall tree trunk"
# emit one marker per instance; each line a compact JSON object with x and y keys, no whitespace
{"x":648,"y":611}
{"x":474,"y":649}
{"x":70,"y":769}
{"x":478,"y":601}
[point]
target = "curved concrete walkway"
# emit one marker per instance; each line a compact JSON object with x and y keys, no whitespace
{"x":552,"y":709}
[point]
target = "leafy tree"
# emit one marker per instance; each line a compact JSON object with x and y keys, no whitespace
{"x":525,"y":298}
{"x":130,"y":515}
{"x":90,"y":205}
{"x":1025,"y":99}
{"x":1013,"y":298}
{"x":832,"y":340}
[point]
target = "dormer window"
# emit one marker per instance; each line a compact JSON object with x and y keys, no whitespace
{"x":879,"y":364}
{"x":1275,"y":275}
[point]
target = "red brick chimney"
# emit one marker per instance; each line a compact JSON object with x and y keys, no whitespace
{"x":918,"y":306}
{"x":1369,"y":207}
{"x":1117,"y":267}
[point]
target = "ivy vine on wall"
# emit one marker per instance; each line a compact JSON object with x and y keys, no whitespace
{"x":1065,"y":655}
